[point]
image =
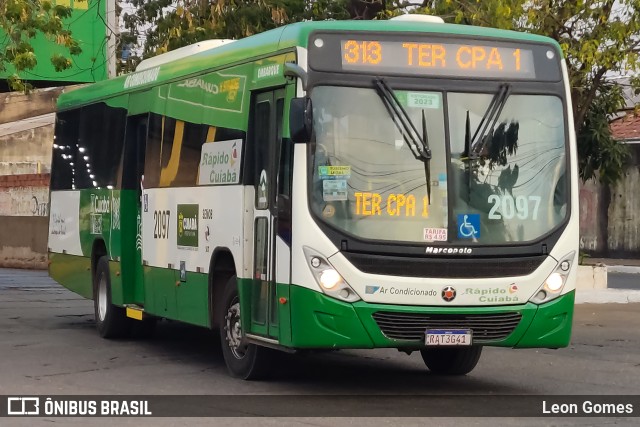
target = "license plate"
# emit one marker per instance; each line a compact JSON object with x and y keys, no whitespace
{"x":447,"y":337}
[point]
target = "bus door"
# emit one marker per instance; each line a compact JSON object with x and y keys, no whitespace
{"x":131,"y":208}
{"x":271,"y":252}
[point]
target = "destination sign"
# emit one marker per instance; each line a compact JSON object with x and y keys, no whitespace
{"x":437,"y":58}
{"x":433,"y":55}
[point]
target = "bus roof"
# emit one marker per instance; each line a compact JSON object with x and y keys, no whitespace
{"x":268,"y":42}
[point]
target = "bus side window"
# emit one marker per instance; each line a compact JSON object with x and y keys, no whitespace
{"x":100,"y":146}
{"x":101,"y":143}
{"x":286,"y":154}
{"x":159,"y":143}
{"x":261,"y":151}
{"x":133,"y":163}
{"x":64,"y":150}
{"x":193,"y":137}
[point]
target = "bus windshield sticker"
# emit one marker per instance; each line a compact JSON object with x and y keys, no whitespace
{"x":334,"y":190}
{"x":423,"y":100}
{"x":334,"y":172}
{"x":220,"y":162}
{"x":442,"y":181}
{"x":329,"y":211}
{"x":435,"y":234}
{"x":468,"y":226}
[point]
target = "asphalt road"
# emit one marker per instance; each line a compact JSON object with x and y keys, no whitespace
{"x":48,"y":346}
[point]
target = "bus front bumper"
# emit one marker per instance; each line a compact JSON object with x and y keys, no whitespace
{"x":318,"y":321}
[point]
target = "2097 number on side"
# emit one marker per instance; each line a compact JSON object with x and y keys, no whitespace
{"x":161,"y":224}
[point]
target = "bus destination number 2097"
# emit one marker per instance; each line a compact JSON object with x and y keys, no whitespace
{"x":161,"y":221}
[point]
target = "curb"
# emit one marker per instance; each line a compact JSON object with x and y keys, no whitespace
{"x":627,"y":269}
{"x":607,"y":296}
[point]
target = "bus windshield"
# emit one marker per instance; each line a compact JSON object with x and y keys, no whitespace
{"x":499,"y":183}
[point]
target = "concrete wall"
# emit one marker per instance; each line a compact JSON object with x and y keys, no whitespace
{"x":24,"y":220}
{"x":23,"y":241}
{"x":24,"y":195}
{"x":593,"y":225}
{"x":27,"y":151}
{"x":17,"y":106}
{"x":624,"y":211}
{"x":26,"y":140}
{"x":609,"y":219}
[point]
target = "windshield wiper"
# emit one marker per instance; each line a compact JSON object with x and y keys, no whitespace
{"x":418,"y":144}
{"x":473,"y":146}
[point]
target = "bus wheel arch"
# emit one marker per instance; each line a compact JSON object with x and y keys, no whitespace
{"x":98,"y":250}
{"x":221,"y":268}
{"x":111,"y":320}
{"x":244,"y":360}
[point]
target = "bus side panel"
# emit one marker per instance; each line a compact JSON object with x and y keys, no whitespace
{"x":160,"y":292}
{"x":131,"y":291}
{"x":193,"y":299}
{"x":181,"y":229}
{"x":73,"y":272}
{"x":68,"y":264}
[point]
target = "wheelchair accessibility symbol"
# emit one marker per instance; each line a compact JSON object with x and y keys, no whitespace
{"x":468,"y":226}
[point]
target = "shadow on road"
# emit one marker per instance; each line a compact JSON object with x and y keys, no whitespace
{"x":382,"y":371}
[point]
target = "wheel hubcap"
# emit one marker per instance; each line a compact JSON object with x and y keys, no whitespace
{"x":102,"y":298}
{"x":233,"y":330}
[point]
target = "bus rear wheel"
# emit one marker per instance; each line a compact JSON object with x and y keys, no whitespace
{"x":244,"y":360}
{"x":111,"y":321}
{"x":451,"y":360}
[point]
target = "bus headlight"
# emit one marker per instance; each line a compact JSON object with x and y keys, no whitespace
{"x":553,"y":285}
{"x":330,"y":278}
{"x":330,"y":281}
{"x":554,"y":282}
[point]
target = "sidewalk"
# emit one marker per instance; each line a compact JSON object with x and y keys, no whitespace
{"x":616,"y":265}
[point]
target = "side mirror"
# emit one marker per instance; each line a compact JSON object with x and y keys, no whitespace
{"x":300,"y":120}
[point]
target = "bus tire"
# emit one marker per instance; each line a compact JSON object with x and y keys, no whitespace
{"x":111,"y":321}
{"x":451,"y":360}
{"x":244,"y":360}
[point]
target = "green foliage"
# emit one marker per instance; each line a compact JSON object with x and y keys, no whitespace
{"x":168,"y":25}
{"x":600,"y":156}
{"x":21,"y":20}
{"x":599,"y":38}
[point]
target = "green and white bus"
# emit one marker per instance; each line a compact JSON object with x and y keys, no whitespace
{"x":401,"y":184}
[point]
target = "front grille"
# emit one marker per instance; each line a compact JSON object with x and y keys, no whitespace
{"x":458,"y":268}
{"x":412,"y":326}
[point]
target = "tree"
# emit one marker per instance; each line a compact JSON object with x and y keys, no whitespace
{"x":599,"y":38}
{"x":168,"y":24}
{"x":21,"y":21}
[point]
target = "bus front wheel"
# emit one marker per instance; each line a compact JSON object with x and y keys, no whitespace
{"x":244,"y":360}
{"x":111,"y":321}
{"x":451,"y":360}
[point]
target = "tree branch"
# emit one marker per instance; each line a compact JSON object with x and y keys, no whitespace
{"x":581,"y":111}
